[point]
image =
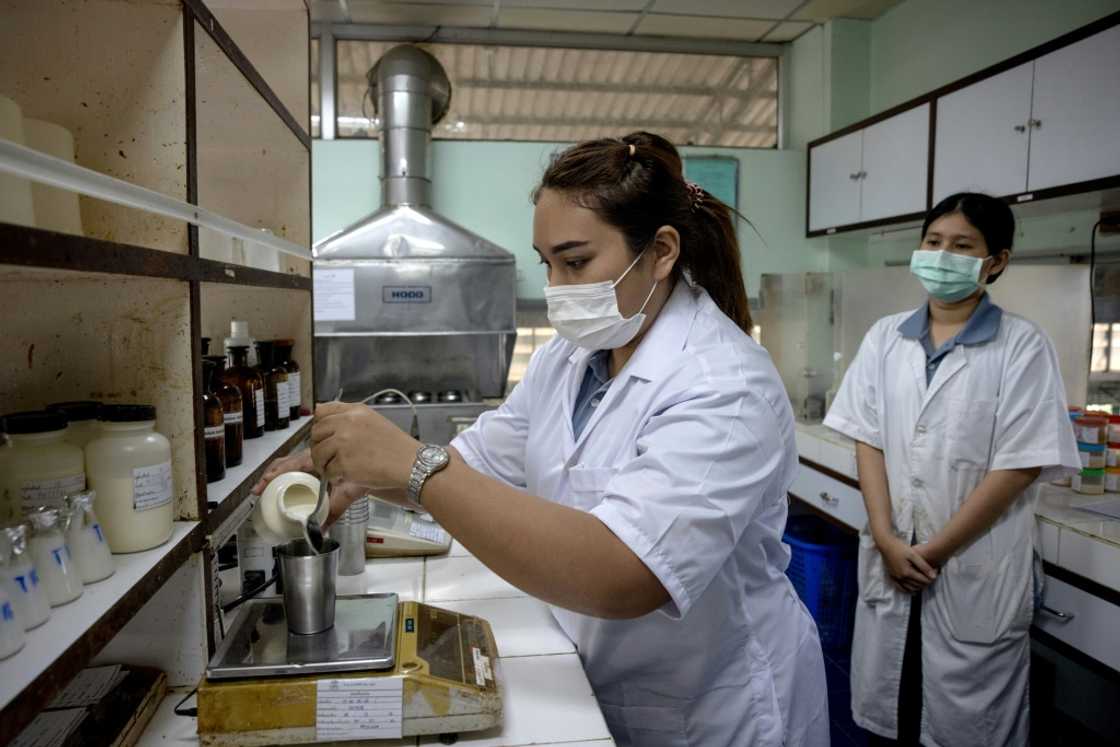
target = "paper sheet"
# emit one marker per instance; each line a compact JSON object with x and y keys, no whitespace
{"x":334,"y":295}
{"x":50,"y":728}
{"x":367,"y":708}
{"x":88,"y":687}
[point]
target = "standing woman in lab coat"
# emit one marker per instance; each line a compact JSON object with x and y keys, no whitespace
{"x":958,"y":410}
{"x":636,"y":478}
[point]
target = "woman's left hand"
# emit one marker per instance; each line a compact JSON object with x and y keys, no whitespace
{"x":351,"y":442}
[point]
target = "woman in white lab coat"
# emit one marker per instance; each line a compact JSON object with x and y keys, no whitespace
{"x":636,"y":478}
{"x":958,"y":410}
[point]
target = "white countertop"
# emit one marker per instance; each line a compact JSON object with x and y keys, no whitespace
{"x":546,"y":697}
{"x":1075,"y":540}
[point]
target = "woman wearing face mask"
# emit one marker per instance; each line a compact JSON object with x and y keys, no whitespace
{"x":636,"y":478}
{"x":958,"y":409}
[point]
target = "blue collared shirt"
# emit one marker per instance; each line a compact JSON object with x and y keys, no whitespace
{"x":981,"y":327}
{"x":596,"y":381}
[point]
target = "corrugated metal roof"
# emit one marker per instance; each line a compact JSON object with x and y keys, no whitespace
{"x":532,"y":93}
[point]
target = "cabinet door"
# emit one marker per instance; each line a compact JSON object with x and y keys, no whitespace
{"x":1076,"y":113}
{"x":896,"y":165}
{"x":834,"y":183}
{"x":981,"y":135}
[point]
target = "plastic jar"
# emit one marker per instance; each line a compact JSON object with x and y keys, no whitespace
{"x":1112,"y":480}
{"x":52,"y":557}
{"x":20,"y":579}
{"x":130,"y":470}
{"x":86,"y":540}
{"x":81,"y":417}
{"x":1091,"y":429}
{"x":1089,"y":481}
{"x":37,"y":466}
{"x":11,"y":632}
{"x":1112,"y":455}
{"x":1093,"y":456}
{"x":282,"y":510}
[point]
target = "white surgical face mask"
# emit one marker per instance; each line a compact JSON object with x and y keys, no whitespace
{"x":587,"y":315}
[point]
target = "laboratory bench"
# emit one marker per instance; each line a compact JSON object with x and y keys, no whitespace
{"x":1080,"y":550}
{"x":546,"y":697}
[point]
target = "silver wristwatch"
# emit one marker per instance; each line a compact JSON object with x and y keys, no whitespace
{"x":430,"y":459}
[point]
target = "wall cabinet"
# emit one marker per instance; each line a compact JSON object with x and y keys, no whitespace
{"x":1037,"y":126}
{"x":874,"y":173}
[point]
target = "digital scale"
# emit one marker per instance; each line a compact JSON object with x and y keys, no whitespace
{"x":394,"y":531}
{"x":267,"y":686}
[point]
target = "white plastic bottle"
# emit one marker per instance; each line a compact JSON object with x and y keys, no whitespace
{"x":82,"y":422}
{"x":20,"y":579}
{"x":37,"y":466}
{"x":129,"y":468}
{"x":255,"y":561}
{"x":282,"y":510}
{"x":86,"y":540}
{"x":11,"y":632}
{"x":52,"y":556}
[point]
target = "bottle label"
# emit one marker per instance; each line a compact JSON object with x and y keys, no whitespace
{"x":294,"y":389}
{"x":258,"y":400}
{"x":283,"y":405}
{"x":215,"y":432}
{"x":7,"y":612}
{"x":151,"y":486}
{"x":96,"y":529}
{"x":51,"y":492}
{"x":234,"y":418}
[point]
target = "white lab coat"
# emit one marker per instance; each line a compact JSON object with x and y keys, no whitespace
{"x":687,"y":460}
{"x":994,"y":406}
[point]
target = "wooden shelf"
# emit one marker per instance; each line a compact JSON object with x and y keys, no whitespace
{"x":227,"y":494}
{"x":56,"y":650}
{"x":38,"y":248}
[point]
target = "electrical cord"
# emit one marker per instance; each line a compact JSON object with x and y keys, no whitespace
{"x":235,"y":603}
{"x":188,"y":712}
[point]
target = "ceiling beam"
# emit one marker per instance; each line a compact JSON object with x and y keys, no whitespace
{"x":521,"y":121}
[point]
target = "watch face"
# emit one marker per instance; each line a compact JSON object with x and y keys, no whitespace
{"x":434,"y":456}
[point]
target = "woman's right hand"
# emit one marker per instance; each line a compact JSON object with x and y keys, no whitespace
{"x":341,"y":495}
{"x":907,"y":568}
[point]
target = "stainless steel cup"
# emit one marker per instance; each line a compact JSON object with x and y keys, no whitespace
{"x":350,"y":533}
{"x":309,"y":585}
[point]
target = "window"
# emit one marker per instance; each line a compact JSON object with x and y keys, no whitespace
{"x":1106,"y":349}
{"x":566,"y":95}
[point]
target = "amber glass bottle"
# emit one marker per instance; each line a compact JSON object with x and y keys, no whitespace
{"x":277,"y":411}
{"x":251,"y":386}
{"x":231,"y":409}
{"x":284,"y":359}
{"x":214,"y":429}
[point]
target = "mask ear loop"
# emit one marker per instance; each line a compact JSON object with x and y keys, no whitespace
{"x":628,"y":269}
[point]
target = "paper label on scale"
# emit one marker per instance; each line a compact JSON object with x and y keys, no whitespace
{"x":334,"y":295}
{"x":294,"y":390}
{"x":367,"y":708}
{"x":51,"y":492}
{"x":151,"y":486}
{"x":258,"y":401}
{"x":427,"y":530}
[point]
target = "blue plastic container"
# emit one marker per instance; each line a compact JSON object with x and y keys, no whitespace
{"x":823,"y":571}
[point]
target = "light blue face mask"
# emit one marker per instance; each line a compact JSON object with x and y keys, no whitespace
{"x":947,"y":276}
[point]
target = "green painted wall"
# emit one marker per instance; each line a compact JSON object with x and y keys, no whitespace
{"x":485,"y":187}
{"x":920,"y":45}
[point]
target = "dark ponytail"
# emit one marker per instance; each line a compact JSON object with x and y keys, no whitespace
{"x":637,"y":185}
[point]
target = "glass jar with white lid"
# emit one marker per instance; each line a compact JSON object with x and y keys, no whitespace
{"x":37,"y":465}
{"x":129,"y":468}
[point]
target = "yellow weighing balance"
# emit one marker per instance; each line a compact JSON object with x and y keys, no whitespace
{"x":385,"y":670}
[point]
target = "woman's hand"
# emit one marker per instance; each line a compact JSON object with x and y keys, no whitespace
{"x":906,"y":566}
{"x":352,"y":443}
{"x":342,"y":493}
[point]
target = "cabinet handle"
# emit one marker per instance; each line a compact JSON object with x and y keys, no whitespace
{"x":863,"y":175}
{"x":854,"y":177}
{"x":1063,"y":617}
{"x":1035,"y":124}
{"x":828,"y":499}
{"x":1020,"y":128}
